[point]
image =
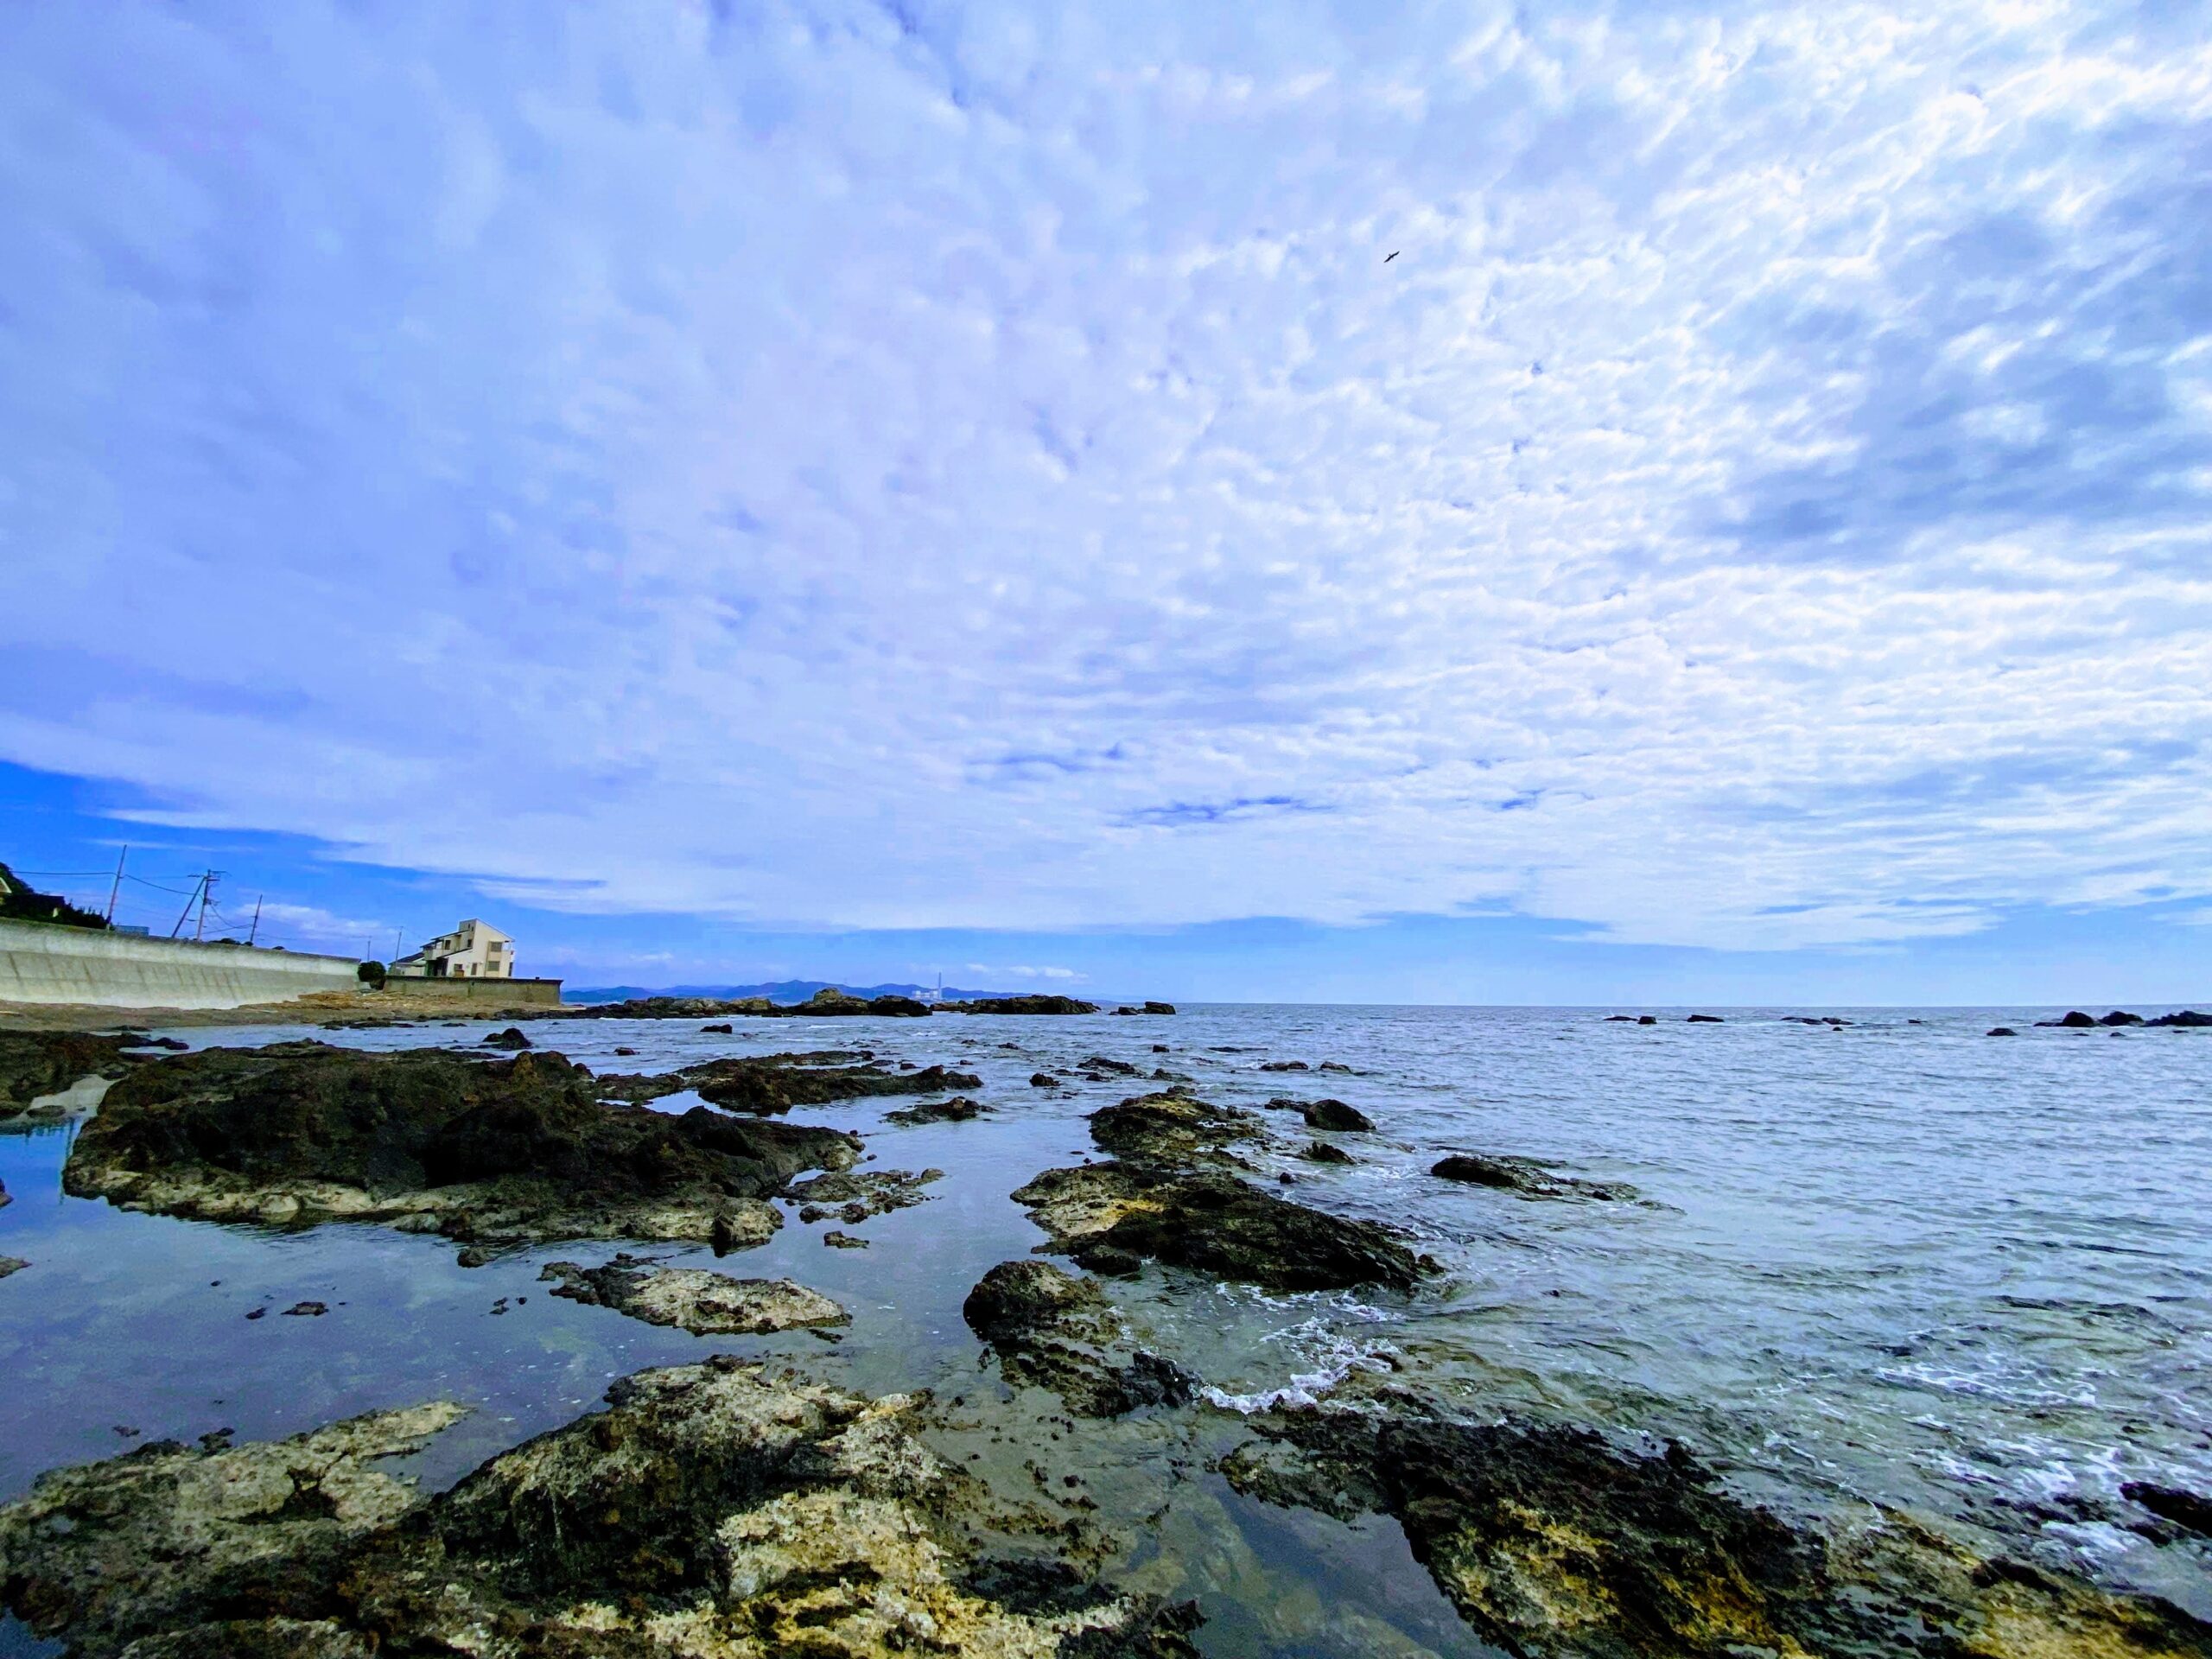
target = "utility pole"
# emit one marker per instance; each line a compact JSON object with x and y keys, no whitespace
{"x":395,"y":944}
{"x":206,"y":886}
{"x":115,"y":886}
{"x":255,"y":933}
{"x":179,"y":928}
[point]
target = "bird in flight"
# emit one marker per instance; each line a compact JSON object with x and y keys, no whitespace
{"x":1393,"y":255}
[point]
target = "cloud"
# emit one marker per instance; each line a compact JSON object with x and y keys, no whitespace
{"x":827,"y":465}
{"x":1019,"y":972}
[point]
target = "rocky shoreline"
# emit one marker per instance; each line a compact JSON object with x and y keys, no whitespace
{"x":742,"y":1508}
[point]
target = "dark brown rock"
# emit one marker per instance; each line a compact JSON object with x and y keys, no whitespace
{"x":1524,"y":1176}
{"x":1057,"y":1331}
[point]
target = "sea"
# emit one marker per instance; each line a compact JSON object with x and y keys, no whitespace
{"x":1875,"y":1256}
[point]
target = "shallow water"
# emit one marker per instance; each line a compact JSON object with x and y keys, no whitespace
{"x":1896,"y":1260}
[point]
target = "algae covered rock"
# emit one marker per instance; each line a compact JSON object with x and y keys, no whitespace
{"x":770,"y":1084}
{"x":486,"y":1152}
{"x":1333,"y":1115}
{"x":709,"y":1510}
{"x":693,"y":1299}
{"x":1552,"y":1541}
{"x":1217,"y":1224}
{"x":35,"y":1064}
{"x":1051,"y":1329}
{"x":959,"y":1110}
{"x":1171,"y":1128}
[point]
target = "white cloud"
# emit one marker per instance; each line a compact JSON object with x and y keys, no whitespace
{"x":979,"y":471}
{"x":1019,"y":971}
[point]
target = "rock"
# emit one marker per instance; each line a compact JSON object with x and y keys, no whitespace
{"x":1647,"y":1019}
{"x":1119,"y":1068}
{"x":1621,"y":1019}
{"x":1043,"y":1080}
{"x":2174,"y":1504}
{"x":4,"y":1199}
{"x":1125,"y":1010}
{"x":1551,"y":1541}
{"x":1216,"y":1224}
{"x":1022,"y":1005}
{"x":35,"y":1065}
{"x":2187,"y":1020}
{"x":2117,"y":1017}
{"x":708,"y":1510}
{"x":1057,"y":1332}
{"x":838,"y":1241}
{"x":512,"y":1038}
{"x":959,"y":1110}
{"x":307,"y":1310}
{"x":1170,"y":1127}
{"x":11,"y":1264}
{"x":1524,"y":1176}
{"x":625,"y":1052}
{"x":1333,"y":1065}
{"x":694,"y":1300}
{"x":1160,"y":1048}
{"x":1705,"y":1020}
{"x":487,"y":1153}
{"x":1321,"y":1151}
{"x":1284,"y":1066}
{"x":769,"y":1084}
{"x":1159,"y":1007}
{"x":1332,"y":1115}
{"x":2001,"y":1031}
{"x":722,"y":1029}
{"x":2075,"y":1021}
{"x":864,"y":1192}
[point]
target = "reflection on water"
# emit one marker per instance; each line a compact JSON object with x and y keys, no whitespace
{"x":1890,"y":1261}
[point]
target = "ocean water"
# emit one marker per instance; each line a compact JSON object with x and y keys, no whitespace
{"x":1895,"y":1261}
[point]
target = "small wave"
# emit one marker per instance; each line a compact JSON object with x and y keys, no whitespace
{"x":1306,"y":1388}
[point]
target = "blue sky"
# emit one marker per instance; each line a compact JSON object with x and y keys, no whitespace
{"x":855,"y":490}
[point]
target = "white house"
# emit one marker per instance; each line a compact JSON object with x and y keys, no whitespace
{"x":473,"y":951}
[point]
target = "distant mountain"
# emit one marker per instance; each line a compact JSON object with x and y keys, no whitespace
{"x":782,"y":991}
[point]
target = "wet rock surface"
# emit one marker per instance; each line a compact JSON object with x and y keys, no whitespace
{"x":1525,"y":1177}
{"x":35,"y":1064}
{"x":2182,"y":1507}
{"x":768,"y":1085}
{"x":1333,"y":1115}
{"x":486,"y":1151}
{"x":1057,"y":1332}
{"x":710,"y":1509}
{"x":1171,"y":1126}
{"x":11,"y":1264}
{"x":959,"y":1110}
{"x":1215,"y":1223}
{"x":855,"y":1195}
{"x":693,"y":1299}
{"x":1550,"y":1539}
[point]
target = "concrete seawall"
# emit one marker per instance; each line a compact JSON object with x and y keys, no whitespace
{"x":39,"y":963}
{"x":463,"y":993}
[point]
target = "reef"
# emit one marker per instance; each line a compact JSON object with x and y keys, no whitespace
{"x":1022,"y":1005}
{"x":829,"y":1000}
{"x":35,"y":1064}
{"x":711,"y":1509}
{"x":1103,"y":1215}
{"x":693,"y":1299}
{"x":769,"y":1084}
{"x":1171,"y":1128}
{"x":1552,"y":1541}
{"x":1051,"y":1329}
{"x":1526,"y":1177}
{"x":486,"y":1151}
{"x":855,"y":1195}
{"x":959,"y":1110}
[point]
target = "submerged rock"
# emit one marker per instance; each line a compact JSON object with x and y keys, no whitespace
{"x":1216,"y":1224}
{"x":486,"y":1151}
{"x":710,"y":1509}
{"x":1171,"y":1128}
{"x":37,"y":1065}
{"x":1284,"y":1066}
{"x":1526,"y":1177}
{"x":1551,"y":1540}
{"x":1119,"y":1068}
{"x":694,"y":1300}
{"x":512,"y":1038}
{"x":1321,"y":1151}
{"x":859,"y":1193}
{"x":2001,"y":1031}
{"x":959,"y":1110}
{"x":1057,"y":1331}
{"x":1043,"y":1080}
{"x":2175,"y":1503}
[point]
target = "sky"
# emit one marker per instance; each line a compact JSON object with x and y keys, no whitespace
{"x":1465,"y":503}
